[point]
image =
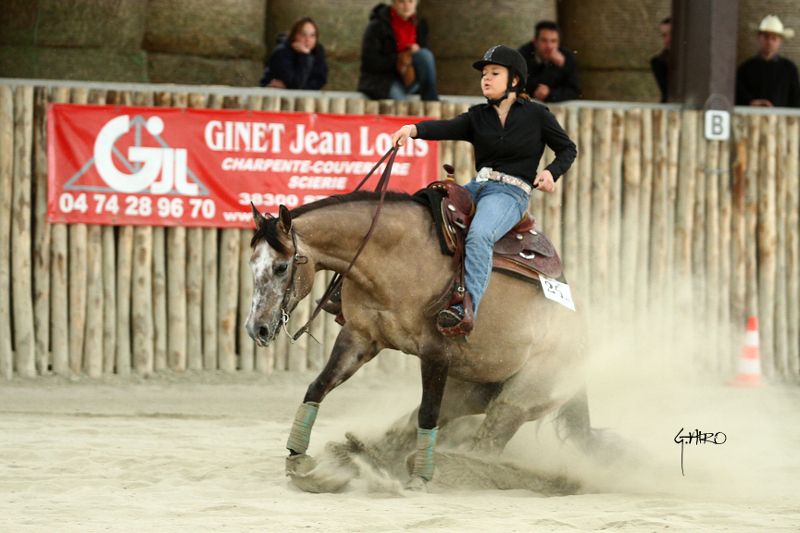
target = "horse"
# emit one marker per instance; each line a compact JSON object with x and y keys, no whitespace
{"x":522,"y":360}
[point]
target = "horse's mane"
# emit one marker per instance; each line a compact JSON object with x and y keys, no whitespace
{"x":269,"y":230}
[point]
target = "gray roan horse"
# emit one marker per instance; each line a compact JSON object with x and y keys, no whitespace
{"x":521,"y":361}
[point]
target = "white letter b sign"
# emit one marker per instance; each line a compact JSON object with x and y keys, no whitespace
{"x":718,"y":125}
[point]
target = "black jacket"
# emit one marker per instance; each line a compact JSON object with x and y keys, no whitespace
{"x":379,"y":53}
{"x":515,"y":148}
{"x":295,"y":70}
{"x":563,"y":81}
{"x":659,"y":64}
{"x":775,"y":80}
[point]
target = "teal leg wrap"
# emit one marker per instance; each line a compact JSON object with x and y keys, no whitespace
{"x":301,"y":427}
{"x":423,"y":460}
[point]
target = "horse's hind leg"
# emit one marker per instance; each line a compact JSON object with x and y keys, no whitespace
{"x":526,"y":396}
{"x":461,"y":398}
{"x":350,"y":352}
{"x":573,"y":419}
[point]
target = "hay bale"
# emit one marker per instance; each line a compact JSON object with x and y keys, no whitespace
{"x":212,"y":28}
{"x":468,"y":31}
{"x":169,"y":68}
{"x":72,"y":64}
{"x":630,"y":85}
{"x":74,"y":23}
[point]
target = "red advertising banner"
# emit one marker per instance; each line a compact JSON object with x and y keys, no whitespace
{"x":161,"y":166}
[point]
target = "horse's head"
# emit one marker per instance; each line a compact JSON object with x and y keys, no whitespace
{"x":282,"y":274}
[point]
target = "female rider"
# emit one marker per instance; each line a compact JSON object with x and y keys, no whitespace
{"x":508,"y":134}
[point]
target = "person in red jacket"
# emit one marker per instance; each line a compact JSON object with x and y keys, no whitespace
{"x":395,"y":59}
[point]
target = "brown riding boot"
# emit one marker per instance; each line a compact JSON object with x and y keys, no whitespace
{"x":457,"y":320}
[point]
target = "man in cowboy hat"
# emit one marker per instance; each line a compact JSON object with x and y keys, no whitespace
{"x":768,"y":79}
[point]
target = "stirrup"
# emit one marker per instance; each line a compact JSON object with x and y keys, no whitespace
{"x":455,"y":322}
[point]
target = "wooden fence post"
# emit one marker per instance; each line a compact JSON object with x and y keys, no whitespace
{"x":142,"y":325}
{"x":632,"y":191}
{"x":793,"y":248}
{"x":767,"y":242}
{"x":738,"y":299}
{"x":725,"y":346}
{"x":684,"y":211}
{"x":615,"y":202}
{"x":6,"y":191}
{"x":711,"y":250}
{"x":554,"y":201}
{"x":645,"y":209}
{"x":781,"y":186}
{"x":584,"y":220}
{"x":41,"y":238}
{"x":601,"y":207}
{"x":24,"y":339}
{"x":109,"y":299}
{"x":751,"y":215}
{"x":194,"y":280}
{"x":176,"y":283}
{"x":569,"y":181}
{"x":93,"y":343}
{"x":210,"y":281}
{"x":77,"y":276}
{"x":227,"y":306}
{"x":160,"y":327}
{"x":660,"y":226}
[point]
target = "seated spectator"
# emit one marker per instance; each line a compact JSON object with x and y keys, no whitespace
{"x":768,"y":79}
{"x":298,"y":62}
{"x":395,"y":59}
{"x":552,"y":71}
{"x":659,"y":63}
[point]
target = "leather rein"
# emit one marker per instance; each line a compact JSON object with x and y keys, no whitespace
{"x":338,"y":279}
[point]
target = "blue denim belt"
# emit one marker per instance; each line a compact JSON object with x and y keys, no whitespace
{"x":487,"y":174}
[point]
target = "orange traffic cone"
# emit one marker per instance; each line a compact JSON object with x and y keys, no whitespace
{"x":750,"y":363}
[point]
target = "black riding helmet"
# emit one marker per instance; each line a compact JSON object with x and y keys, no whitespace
{"x":511,"y":59}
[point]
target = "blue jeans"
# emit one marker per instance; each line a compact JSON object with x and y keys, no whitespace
{"x":424,"y":85}
{"x":498,"y":208}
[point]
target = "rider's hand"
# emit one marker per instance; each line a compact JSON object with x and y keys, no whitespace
{"x":399,"y":137}
{"x":544,"y":181}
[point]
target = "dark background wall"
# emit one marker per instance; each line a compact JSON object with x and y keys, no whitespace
{"x":225,"y":42}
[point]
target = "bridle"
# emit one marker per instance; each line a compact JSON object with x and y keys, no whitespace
{"x":297,"y":259}
{"x":338,"y":279}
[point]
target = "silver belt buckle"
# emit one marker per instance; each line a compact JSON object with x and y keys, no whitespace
{"x":483,"y":174}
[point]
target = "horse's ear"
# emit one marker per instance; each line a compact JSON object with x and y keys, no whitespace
{"x":258,"y":218}
{"x":285,"y":219}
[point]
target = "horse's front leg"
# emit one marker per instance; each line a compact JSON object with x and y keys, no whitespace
{"x":434,"y":379}
{"x":350,"y":352}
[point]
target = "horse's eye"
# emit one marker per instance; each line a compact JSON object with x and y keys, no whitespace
{"x":280,"y":269}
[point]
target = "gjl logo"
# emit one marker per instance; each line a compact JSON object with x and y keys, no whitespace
{"x":162,"y":170}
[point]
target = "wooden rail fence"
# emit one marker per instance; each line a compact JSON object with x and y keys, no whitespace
{"x":651,"y":218}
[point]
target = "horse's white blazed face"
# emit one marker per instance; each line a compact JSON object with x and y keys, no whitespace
{"x":270,"y":280}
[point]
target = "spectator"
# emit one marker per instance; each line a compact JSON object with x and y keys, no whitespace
{"x":659,"y":63}
{"x":298,"y":62}
{"x":552,"y":71}
{"x":395,"y":59}
{"x":768,"y":79}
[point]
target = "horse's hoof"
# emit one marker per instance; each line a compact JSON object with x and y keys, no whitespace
{"x":299,"y":465}
{"x":416,"y":484}
{"x":307,"y":475}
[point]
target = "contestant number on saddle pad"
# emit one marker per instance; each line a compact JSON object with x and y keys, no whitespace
{"x":557,"y":291}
